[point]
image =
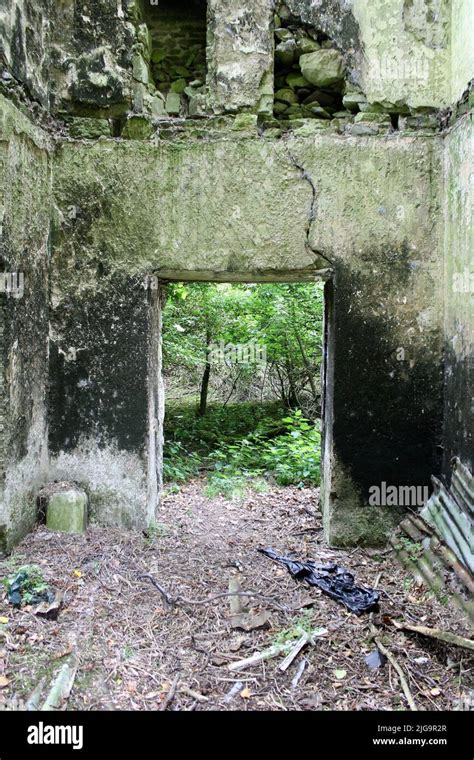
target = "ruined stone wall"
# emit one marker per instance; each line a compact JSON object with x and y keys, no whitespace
{"x":462,"y":49}
{"x":25,"y":41}
{"x":205,"y":183}
{"x":26,"y":203}
{"x":91,"y":57}
{"x":398,"y":50}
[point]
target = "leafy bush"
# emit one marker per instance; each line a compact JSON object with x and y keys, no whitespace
{"x":221,"y":424}
{"x":291,"y":458}
{"x":179,"y":464}
{"x":244,"y":445}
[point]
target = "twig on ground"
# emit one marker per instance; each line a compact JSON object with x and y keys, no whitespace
{"x":257,"y":657}
{"x":294,"y":652}
{"x":194,"y":694}
{"x":275,"y":650}
{"x":178,"y":600}
{"x":171,"y":694}
{"x":403,"y":681}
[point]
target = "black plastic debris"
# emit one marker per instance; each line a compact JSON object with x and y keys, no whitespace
{"x":334,"y":580}
{"x":27,"y":586}
{"x":375,"y":659}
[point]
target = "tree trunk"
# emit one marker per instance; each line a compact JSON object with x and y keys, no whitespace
{"x":308,"y":368}
{"x":205,"y":382}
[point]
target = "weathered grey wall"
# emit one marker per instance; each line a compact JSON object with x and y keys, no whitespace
{"x":458,"y":192}
{"x":91,"y":57}
{"x":98,"y":391}
{"x":26,"y":201}
{"x":458,"y":438}
{"x":462,"y":49}
{"x":240,"y":55}
{"x":398,"y":51}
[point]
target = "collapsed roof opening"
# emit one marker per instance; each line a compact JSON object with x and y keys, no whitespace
{"x":178,"y":30}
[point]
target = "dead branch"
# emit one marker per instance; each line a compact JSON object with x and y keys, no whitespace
{"x":168,"y":599}
{"x":181,"y":600}
{"x":401,"y":674}
{"x":257,"y":657}
{"x":276,"y":649}
{"x":171,"y":694}
{"x":300,"y":644}
{"x":436,"y":633}
{"x":194,"y":694}
{"x":62,"y":686}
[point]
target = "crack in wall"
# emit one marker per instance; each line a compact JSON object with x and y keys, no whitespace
{"x":313,"y":208}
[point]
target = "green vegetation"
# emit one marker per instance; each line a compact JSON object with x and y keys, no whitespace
{"x":242,"y":367}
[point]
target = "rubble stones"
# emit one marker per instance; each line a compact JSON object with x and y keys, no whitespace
{"x":322,"y":67}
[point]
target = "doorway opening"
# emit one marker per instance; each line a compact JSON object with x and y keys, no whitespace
{"x":242,"y":368}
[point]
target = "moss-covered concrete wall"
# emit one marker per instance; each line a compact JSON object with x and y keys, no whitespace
{"x":462,"y":49}
{"x":240,"y":55}
{"x":458,"y":438}
{"x":91,"y":57}
{"x":241,"y":206}
{"x":26,"y":204}
{"x":398,"y":51}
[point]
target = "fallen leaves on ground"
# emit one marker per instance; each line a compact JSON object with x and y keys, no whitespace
{"x":133,"y":647}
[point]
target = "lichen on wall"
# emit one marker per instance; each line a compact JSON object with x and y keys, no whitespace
{"x":156,"y":207}
{"x":91,"y":57}
{"x":405,"y":54}
{"x":462,"y":49}
{"x":240,"y":55}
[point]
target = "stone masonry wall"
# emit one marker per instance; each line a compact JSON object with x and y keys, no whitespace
{"x":25,"y":41}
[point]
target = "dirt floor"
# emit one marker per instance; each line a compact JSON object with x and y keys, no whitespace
{"x":136,"y":652}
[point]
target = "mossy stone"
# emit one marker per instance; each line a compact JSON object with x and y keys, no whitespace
{"x":323,"y":67}
{"x":245,"y":121}
{"x":137,"y":128}
{"x":173,"y":103}
{"x":67,"y":511}
{"x":83,"y":128}
{"x":286,"y":95}
{"x":178,"y":86}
